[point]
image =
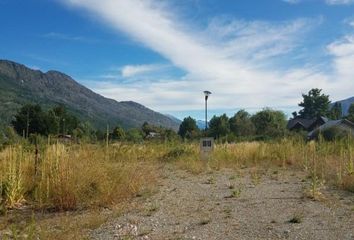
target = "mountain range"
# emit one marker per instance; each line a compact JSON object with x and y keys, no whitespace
{"x":20,"y":85}
{"x":345,"y":105}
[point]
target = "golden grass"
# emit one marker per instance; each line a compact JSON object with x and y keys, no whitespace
{"x":82,"y":176}
{"x":74,"y":177}
{"x":325,"y":162}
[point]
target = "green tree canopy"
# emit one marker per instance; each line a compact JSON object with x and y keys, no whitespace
{"x":134,"y":135}
{"x":30,"y":119}
{"x":118,"y":133}
{"x":66,"y":122}
{"x":314,"y":104}
{"x":241,"y":124}
{"x":269,"y":123}
{"x":219,"y":126}
{"x":350,"y":116}
{"x":336,"y":111}
{"x":188,"y":128}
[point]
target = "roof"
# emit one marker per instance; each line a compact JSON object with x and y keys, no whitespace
{"x":300,"y":121}
{"x":332,"y":123}
{"x":305,"y":122}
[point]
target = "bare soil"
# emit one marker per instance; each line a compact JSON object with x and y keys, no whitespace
{"x":229,"y":204}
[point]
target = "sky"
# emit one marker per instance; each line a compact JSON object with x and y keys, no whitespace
{"x":250,"y":54}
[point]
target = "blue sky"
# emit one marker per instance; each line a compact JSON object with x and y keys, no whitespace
{"x":250,"y":53}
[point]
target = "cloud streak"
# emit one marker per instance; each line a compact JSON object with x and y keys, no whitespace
{"x":136,"y":70}
{"x":329,"y":2}
{"x":339,"y":2}
{"x":67,"y":37}
{"x":232,"y":58}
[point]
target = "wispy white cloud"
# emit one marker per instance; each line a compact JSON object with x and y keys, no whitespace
{"x":232,"y":58}
{"x":339,"y":2}
{"x":292,"y":1}
{"x":343,"y":52}
{"x":349,"y":21}
{"x":68,"y":37}
{"x":258,"y":40}
{"x":329,"y":2}
{"x":135,"y":70}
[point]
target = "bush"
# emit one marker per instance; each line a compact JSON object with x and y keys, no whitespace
{"x":8,"y":136}
{"x":176,"y":153}
{"x":134,"y":135}
{"x":334,"y":133}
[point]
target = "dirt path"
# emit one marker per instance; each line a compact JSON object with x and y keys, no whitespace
{"x":229,"y":205}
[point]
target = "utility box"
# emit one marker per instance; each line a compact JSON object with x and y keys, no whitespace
{"x":206,"y":147}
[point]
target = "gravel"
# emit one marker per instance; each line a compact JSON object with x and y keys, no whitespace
{"x":228,"y":204}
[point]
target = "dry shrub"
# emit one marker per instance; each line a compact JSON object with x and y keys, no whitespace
{"x":71,"y":177}
{"x":348,"y":183}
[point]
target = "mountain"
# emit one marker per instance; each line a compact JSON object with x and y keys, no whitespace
{"x":20,"y":85}
{"x":174,"y":119}
{"x":201,"y":124}
{"x":345,"y":105}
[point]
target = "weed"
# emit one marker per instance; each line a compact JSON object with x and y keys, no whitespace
{"x":210,"y":180}
{"x":297,"y":218}
{"x":233,"y":177}
{"x":228,"y":212}
{"x":152,"y":209}
{"x":235,"y":194}
{"x":205,"y":221}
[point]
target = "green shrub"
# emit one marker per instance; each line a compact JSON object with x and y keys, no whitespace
{"x":334,"y":133}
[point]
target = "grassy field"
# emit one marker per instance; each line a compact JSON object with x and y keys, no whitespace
{"x":88,"y":178}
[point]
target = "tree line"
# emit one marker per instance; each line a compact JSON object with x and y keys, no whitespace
{"x":265,"y":124}
{"x":31,"y":120}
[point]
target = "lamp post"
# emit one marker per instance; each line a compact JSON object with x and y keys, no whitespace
{"x":206,"y":93}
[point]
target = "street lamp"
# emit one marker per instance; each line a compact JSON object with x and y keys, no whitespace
{"x":206,"y":93}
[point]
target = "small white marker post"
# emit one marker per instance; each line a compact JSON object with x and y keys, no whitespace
{"x":206,"y":149}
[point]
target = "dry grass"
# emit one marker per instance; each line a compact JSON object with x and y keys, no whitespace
{"x":325,"y":162}
{"x":77,"y":177}
{"x":74,"y":177}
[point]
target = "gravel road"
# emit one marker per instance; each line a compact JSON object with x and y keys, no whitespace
{"x":228,"y":204}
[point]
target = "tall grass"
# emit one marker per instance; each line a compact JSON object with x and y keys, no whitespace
{"x":65,"y":177}
{"x":325,"y":162}
{"x":71,"y":177}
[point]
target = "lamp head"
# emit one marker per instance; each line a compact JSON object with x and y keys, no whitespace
{"x":206,"y":93}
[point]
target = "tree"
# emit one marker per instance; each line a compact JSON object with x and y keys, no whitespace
{"x":8,"y":136}
{"x":241,"y":124}
{"x":314,"y":104}
{"x":219,"y":126}
{"x":336,"y":111}
{"x":118,"y":133}
{"x":134,"y":135}
{"x":30,"y":119}
{"x":269,"y":123}
{"x":66,"y":121}
{"x":85,"y":132}
{"x":350,"y":116}
{"x":188,"y":128}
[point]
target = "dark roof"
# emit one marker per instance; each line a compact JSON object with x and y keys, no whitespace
{"x":305,"y":122}
{"x":332,"y":123}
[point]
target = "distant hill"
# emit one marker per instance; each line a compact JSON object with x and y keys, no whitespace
{"x":20,"y":85}
{"x":201,"y":124}
{"x":345,"y":105}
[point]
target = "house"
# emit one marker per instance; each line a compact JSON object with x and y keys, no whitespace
{"x":303,"y":124}
{"x":153,"y":135}
{"x":342,"y":125}
{"x":65,"y":138}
